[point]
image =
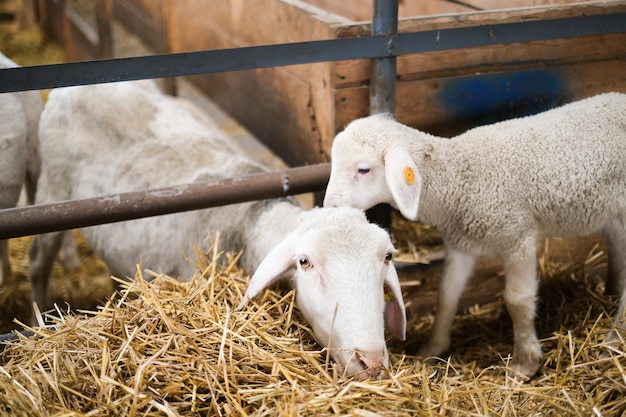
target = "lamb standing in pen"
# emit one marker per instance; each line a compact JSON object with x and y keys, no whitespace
{"x":122,"y":137}
{"x":495,"y":190}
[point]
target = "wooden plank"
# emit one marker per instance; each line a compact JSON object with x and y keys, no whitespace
{"x":248,"y":23}
{"x":448,"y":106}
{"x":52,"y":14}
{"x":505,"y":4}
{"x":149,"y":30}
{"x":237,"y":24}
{"x":104,"y":15}
{"x":151,"y":9}
{"x":81,"y":41}
{"x":361,"y":10}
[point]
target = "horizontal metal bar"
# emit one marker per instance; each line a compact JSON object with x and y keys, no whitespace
{"x":236,"y":59}
{"x":44,"y":218}
{"x":507,"y":33}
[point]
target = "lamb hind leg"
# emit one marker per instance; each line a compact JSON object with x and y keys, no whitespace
{"x":520,"y":296}
{"x":457,"y":270}
{"x":615,"y":235}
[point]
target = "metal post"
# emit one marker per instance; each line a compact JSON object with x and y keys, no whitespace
{"x":383,"y":82}
{"x":383,"y":79}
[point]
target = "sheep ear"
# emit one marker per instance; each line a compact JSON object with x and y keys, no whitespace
{"x":395,"y":315}
{"x":404,"y":181}
{"x":271,"y":269}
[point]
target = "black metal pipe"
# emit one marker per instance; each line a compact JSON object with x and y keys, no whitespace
{"x":383,"y":78}
{"x":64,"y":215}
{"x":236,"y":59}
{"x":383,"y":82}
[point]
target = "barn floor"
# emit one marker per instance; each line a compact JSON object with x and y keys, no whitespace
{"x":573,"y":316}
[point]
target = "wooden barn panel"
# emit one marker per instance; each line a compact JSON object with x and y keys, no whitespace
{"x":448,"y":106}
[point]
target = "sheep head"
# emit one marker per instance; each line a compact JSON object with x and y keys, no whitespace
{"x":370,"y":164}
{"x":346,"y":286}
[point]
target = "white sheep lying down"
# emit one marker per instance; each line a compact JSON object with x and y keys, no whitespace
{"x":122,"y":137}
{"x":19,"y":160}
{"x":494,"y":190}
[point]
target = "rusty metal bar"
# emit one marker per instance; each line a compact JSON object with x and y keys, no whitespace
{"x":64,"y":215}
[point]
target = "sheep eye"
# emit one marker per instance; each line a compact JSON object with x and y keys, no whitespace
{"x":363,"y":171}
{"x":388,"y":257}
{"x":304,"y":263}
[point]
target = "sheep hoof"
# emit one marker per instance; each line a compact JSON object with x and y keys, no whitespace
{"x":432,"y":354}
{"x":522,"y":370}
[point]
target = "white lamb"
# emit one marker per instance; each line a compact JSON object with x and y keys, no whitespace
{"x":19,"y":158}
{"x":494,"y":190}
{"x":122,"y":137}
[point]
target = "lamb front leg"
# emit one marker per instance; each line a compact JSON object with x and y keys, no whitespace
{"x":457,"y":270}
{"x":520,"y":296}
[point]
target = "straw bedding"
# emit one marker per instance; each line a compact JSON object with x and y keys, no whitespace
{"x":170,"y":348}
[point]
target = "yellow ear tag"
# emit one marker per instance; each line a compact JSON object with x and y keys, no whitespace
{"x":409,"y":175}
{"x":388,"y":294}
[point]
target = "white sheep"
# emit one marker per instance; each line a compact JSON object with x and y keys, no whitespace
{"x":494,"y":190}
{"x":12,"y":164}
{"x":122,"y":137}
{"x":19,"y":160}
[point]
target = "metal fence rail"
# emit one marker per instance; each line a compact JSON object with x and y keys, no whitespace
{"x":58,"y":216}
{"x":237,"y":59}
{"x":73,"y":214}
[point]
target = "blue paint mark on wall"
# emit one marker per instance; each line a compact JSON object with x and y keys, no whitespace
{"x":489,"y":98}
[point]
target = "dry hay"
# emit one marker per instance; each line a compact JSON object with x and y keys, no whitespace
{"x":167,"y":348}
{"x":172,"y":348}
{"x":83,"y":288}
{"x":30,"y":48}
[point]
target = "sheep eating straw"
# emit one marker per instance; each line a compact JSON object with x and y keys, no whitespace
{"x":105,"y":139}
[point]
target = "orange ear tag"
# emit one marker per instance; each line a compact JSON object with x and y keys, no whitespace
{"x":409,"y":175}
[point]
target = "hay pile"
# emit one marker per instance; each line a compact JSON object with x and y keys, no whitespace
{"x":169,"y":348}
{"x":82,"y":288}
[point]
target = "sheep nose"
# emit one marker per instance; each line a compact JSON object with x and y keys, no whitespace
{"x":372,"y":364}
